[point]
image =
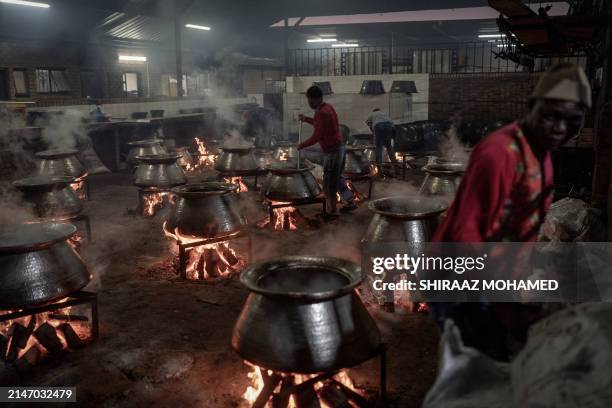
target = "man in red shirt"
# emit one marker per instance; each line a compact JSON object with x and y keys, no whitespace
{"x":506,"y":192}
{"x":327,"y":134}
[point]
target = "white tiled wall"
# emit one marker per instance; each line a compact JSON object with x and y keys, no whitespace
{"x":352,"y":107}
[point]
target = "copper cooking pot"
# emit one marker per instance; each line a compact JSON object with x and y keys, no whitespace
{"x":285,"y":151}
{"x":206,"y":210}
{"x":159,"y":171}
{"x":356,"y":162}
{"x":442,"y":179}
{"x":286,"y":183}
{"x":59,"y":163}
{"x":144,"y":148}
{"x":186,"y":159}
{"x":304,"y":316}
{"x":370,"y":154}
{"x":38,"y":264}
{"x":237,"y":160}
{"x":51,"y":197}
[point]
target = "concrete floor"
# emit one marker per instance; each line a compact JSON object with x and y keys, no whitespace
{"x":166,"y":343}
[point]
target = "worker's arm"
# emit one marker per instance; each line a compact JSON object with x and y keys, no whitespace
{"x":308,"y":120}
{"x":484,"y":191}
{"x":319,"y":124}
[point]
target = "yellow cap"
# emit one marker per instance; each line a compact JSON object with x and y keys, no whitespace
{"x":566,"y":82}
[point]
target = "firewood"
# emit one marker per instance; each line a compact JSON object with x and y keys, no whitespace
{"x":286,"y":221}
{"x":281,"y":400}
{"x":4,"y":342}
{"x":68,"y":318}
{"x":334,"y":397}
{"x":270,"y":383}
{"x":355,"y":398}
{"x":47,"y":337}
{"x":72,"y":338}
{"x":28,"y":361}
{"x":29,"y":330}
{"x":307,"y":397}
{"x":210,"y":262}
{"x":296,"y":389}
{"x":229,"y":255}
{"x":18,"y":334}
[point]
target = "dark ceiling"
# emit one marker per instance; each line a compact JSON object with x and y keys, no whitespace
{"x":236,"y":24}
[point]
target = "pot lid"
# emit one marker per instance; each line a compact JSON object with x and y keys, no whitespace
{"x":304,"y":278}
{"x":56,"y":153}
{"x":165,"y":158}
{"x":146,"y":142}
{"x":18,"y":238}
{"x":205,"y":189}
{"x":287,"y":168}
{"x":41,"y":182}
{"x":407,"y":207}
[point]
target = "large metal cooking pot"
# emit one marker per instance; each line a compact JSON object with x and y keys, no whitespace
{"x":304,"y":316}
{"x":403,"y":219}
{"x":144,"y":148}
{"x":370,"y":154}
{"x":38,"y":265}
{"x":442,"y":178}
{"x":285,"y":151}
{"x":206,"y":210}
{"x":236,"y":160}
{"x":60,"y":163}
{"x":51,"y":197}
{"x":185,"y":160}
{"x":362,"y":139}
{"x":356,"y":162}
{"x":286,"y":183}
{"x":159,"y":171}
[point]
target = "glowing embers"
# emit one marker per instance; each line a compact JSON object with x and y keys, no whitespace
{"x":81,"y":187}
{"x":204,"y":158}
{"x":27,"y":336}
{"x":333,"y":389}
{"x":152,"y":200}
{"x":284,"y":216}
{"x":201,"y":259}
{"x":239,"y":181}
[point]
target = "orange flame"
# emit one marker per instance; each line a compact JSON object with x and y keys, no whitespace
{"x":153,"y":201}
{"x":284,"y":218}
{"x":76,"y":241}
{"x":242,"y":187}
{"x":257,"y":384}
{"x":208,"y":260}
{"x":204,"y":157}
{"x":283,"y":156}
{"x":79,"y":187}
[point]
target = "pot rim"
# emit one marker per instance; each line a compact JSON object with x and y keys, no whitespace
{"x":372,"y":206}
{"x":281,"y":168}
{"x":145,"y":142}
{"x":251,"y":275}
{"x":237,"y":148}
{"x":355,"y":148}
{"x":56,"y":153}
{"x":163,"y":158}
{"x":444,"y":168}
{"x":40,"y":181}
{"x":54,"y":232}
{"x":207,"y":188}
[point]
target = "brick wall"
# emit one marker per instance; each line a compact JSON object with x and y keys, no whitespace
{"x":480,"y":96}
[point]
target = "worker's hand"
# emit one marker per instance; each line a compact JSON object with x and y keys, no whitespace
{"x":301,"y":117}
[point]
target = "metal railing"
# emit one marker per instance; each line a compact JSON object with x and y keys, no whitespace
{"x":471,"y":57}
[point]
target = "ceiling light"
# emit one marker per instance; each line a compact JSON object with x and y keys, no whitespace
{"x":319,"y":40}
{"x":197,"y":27}
{"x":132,"y":58}
{"x":327,"y":35}
{"x":26,"y":3}
{"x":345,"y":45}
{"x":490,"y":35}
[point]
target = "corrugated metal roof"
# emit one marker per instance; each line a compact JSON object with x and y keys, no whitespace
{"x":141,"y":28}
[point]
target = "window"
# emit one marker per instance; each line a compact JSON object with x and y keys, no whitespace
{"x":168,"y":85}
{"x":131,"y":84}
{"x":20,"y":82}
{"x":51,"y":81}
{"x":91,"y":85}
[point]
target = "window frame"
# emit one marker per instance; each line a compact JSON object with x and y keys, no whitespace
{"x":139,"y":85}
{"x":49,"y":75}
{"x":25,"y":81}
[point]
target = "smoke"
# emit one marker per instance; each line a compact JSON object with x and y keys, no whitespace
{"x":14,"y":209}
{"x":65,"y":131}
{"x":451,"y":147}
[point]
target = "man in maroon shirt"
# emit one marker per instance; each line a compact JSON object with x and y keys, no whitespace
{"x":505,"y":194}
{"x":327,"y":134}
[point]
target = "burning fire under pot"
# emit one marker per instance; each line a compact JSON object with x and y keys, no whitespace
{"x":301,"y":327}
{"x":156,"y":175}
{"x":285,"y":188}
{"x":236,"y":162}
{"x":203,"y":221}
{"x":411,"y":220}
{"x":186,"y":160}
{"x":145,"y":147}
{"x":64,"y":163}
{"x":285,"y":151}
{"x":357,"y":167}
{"x":43,"y":310}
{"x":53,"y":199}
